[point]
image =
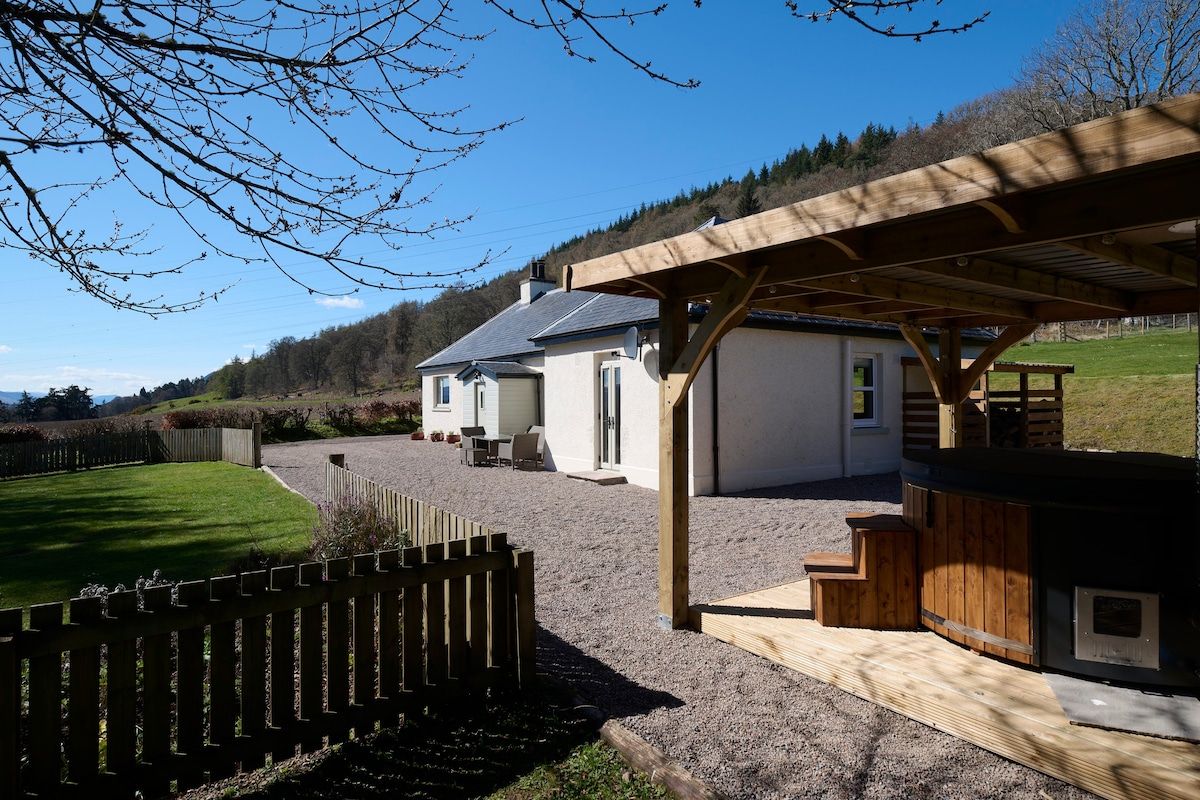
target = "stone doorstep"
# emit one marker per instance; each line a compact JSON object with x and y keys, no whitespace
{"x":600,"y":476}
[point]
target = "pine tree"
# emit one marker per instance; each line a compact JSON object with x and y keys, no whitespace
{"x":822,"y":153}
{"x":747,"y":203}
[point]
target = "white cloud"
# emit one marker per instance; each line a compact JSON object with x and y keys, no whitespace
{"x":345,"y":301}
{"x":100,"y":381}
{"x":5,"y":348}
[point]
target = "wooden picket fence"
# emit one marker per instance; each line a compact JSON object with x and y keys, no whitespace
{"x":120,"y":699}
{"x":424,"y":523}
{"x":235,"y":445}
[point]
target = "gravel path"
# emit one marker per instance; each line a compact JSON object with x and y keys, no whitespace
{"x":747,"y":726}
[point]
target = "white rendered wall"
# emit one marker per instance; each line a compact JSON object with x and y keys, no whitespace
{"x":572,"y":397}
{"x":443,"y":418}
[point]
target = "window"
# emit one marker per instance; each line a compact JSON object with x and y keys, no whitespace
{"x":441,"y":390}
{"x":865,"y":380}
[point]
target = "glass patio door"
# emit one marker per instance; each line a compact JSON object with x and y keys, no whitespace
{"x":610,"y":416}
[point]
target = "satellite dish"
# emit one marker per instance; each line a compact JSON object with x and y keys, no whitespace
{"x":630,"y":345}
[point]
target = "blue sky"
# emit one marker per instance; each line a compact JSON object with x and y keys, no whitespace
{"x":595,"y":140}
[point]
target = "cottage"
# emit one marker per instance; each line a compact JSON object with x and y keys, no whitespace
{"x":585,"y":365}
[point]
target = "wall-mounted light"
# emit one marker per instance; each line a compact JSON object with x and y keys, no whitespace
{"x":854,"y":277}
{"x":962,"y":261}
{"x":772,"y":290}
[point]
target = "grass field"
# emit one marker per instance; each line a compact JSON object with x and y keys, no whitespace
{"x":1135,"y":393}
{"x":62,"y":532}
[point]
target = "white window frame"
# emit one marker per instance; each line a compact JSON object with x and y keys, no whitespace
{"x":441,"y":391}
{"x":870,"y":391}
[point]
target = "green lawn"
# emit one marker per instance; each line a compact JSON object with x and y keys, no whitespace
{"x":1133,"y":394}
{"x":61,"y":532}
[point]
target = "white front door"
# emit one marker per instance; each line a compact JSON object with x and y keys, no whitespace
{"x":610,"y":416}
{"x":479,"y":397}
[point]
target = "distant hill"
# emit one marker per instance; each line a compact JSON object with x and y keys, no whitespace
{"x":9,"y":397}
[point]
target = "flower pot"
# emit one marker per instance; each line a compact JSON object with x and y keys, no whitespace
{"x":453,"y":438}
{"x":417,"y":436}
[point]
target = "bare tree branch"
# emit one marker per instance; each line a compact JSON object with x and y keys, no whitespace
{"x":180,"y":103}
{"x":1111,"y":56}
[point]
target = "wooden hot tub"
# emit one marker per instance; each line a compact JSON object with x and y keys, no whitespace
{"x":1087,"y":563}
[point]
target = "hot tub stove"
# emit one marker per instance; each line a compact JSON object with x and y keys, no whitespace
{"x":1084,"y":563}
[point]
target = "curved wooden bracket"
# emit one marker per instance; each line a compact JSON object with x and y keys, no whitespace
{"x":1010,"y":211}
{"x":725,"y":313}
{"x":659,"y":293}
{"x":852,"y":243}
{"x":741,"y":273}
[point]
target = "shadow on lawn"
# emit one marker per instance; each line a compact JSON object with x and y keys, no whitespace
{"x":471,"y":748}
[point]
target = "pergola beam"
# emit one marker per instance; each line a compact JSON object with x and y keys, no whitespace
{"x":987,"y":272}
{"x":1147,"y":258}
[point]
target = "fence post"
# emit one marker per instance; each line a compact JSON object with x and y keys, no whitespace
{"x":526,"y":630}
{"x":83,"y":702}
{"x":283,"y":664}
{"x":257,"y":432}
{"x":45,"y":706}
{"x":10,"y":705}
{"x":338,"y":459}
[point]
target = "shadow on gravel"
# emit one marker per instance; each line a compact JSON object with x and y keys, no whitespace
{"x":594,"y":680}
{"x":465,"y":749}
{"x":877,"y":488}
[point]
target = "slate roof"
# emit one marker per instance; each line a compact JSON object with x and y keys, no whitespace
{"x":506,"y":336}
{"x":498,"y":369}
{"x":520,"y":331}
{"x":603,"y":312}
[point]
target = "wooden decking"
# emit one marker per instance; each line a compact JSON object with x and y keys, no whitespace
{"x":1000,"y":707}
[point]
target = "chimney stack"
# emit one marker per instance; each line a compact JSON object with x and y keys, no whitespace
{"x":536,"y":284}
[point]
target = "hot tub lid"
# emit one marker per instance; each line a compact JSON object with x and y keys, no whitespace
{"x":1055,"y":477}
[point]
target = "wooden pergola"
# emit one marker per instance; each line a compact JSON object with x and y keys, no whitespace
{"x":1094,"y":221}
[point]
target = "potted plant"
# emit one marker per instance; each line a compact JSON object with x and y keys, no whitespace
{"x":453,"y":438}
{"x":436,"y":436}
{"x":417,"y":435}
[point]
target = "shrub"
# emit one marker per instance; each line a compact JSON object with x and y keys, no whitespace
{"x":349,"y":526}
{"x":22,"y":433}
{"x":156,"y":579}
{"x":97,"y":427}
{"x":214,"y":417}
{"x":258,"y":559}
{"x":338,"y":416}
{"x":376,"y":411}
{"x":185,"y":419}
{"x":278,"y":420}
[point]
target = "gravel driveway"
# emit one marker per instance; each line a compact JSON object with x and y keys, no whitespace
{"x":749,"y":727}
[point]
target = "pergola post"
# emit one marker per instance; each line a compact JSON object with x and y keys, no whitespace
{"x":950,"y":413}
{"x":679,"y":360}
{"x":951,"y":383}
{"x":672,"y":468}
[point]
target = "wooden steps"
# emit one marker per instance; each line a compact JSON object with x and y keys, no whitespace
{"x":873,"y":586}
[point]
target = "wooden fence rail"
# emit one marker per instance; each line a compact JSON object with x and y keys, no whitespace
{"x":424,"y":523}
{"x":119,"y":699}
{"x":235,"y":445}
